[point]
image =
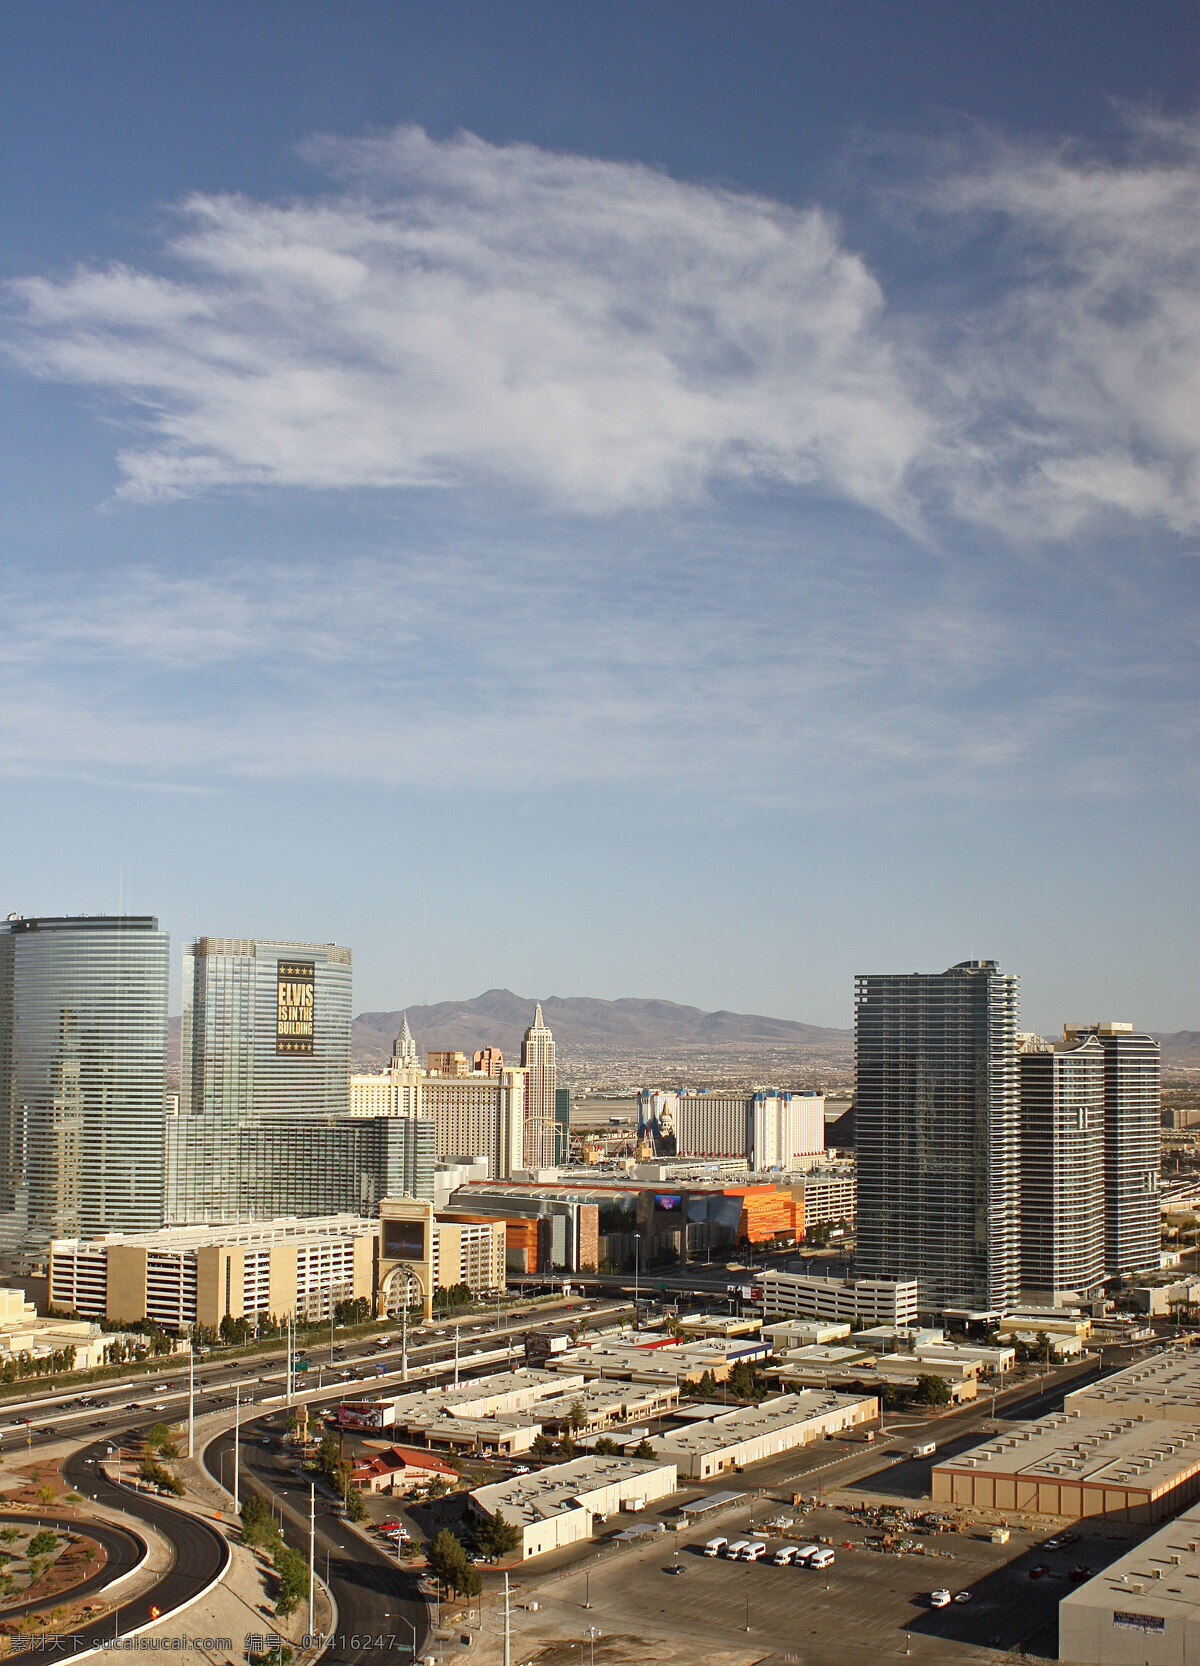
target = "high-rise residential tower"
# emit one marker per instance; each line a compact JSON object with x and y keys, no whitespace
{"x":937,"y":1130}
{"x":266,"y":1040}
{"x":1132,"y":1160}
{"x":1062,"y":1169}
{"x":83,"y":1022}
{"x":537,"y":1061}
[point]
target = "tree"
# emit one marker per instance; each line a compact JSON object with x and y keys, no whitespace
{"x":448,"y":1563}
{"x":542,"y":1446}
{"x":643,"y":1449}
{"x":606,"y":1447}
{"x":438,"y":1487}
{"x":932,"y":1391}
{"x":497,"y":1536}
{"x":355,"y":1508}
{"x":258,"y":1524}
{"x":291,"y":1570}
{"x":43,"y":1543}
{"x":157,"y":1436}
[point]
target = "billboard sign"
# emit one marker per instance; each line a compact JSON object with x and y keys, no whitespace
{"x":403,"y":1240}
{"x":295,"y":987}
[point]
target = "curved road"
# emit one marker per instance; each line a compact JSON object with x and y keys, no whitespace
{"x":379,"y":1601}
{"x":200,"y":1553}
{"x":123,"y":1551}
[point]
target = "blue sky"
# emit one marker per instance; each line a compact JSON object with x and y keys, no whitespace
{"x":628,"y":499}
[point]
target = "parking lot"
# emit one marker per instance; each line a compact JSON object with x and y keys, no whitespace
{"x":867,"y":1607}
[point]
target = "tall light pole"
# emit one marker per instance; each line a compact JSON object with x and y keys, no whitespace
{"x":312,"y":1555}
{"x":237,"y":1424}
{"x":192,"y":1401}
{"x":637,"y":1265}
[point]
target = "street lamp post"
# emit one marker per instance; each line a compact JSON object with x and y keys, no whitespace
{"x":637,"y":1267}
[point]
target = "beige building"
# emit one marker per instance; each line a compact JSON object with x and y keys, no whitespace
{"x":183,"y":1276}
{"x":1166,"y":1386}
{"x":752,"y":1433}
{"x":1071,"y":1465}
{"x":473,"y":1114}
{"x":557,"y":1506}
{"x":24,"y":1331}
{"x":1144,"y":1609}
{"x":422,"y":1250}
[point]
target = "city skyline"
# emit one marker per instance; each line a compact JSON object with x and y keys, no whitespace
{"x":730,"y":477}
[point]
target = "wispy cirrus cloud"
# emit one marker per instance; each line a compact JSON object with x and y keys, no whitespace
{"x":594,"y":331}
{"x":604,"y":336}
{"x":509,"y":671}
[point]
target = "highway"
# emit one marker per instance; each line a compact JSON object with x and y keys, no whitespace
{"x":200,"y":1555}
{"x":380,"y":1609}
{"x":356,"y":1367}
{"x":123,"y":1551}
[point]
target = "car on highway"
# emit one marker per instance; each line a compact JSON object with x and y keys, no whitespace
{"x":1038,"y":1571}
{"x":962,"y":1596}
{"x":940,"y":1598}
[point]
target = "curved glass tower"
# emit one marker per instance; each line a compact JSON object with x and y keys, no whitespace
{"x":83,"y":1022}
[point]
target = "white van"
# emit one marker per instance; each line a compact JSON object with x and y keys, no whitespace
{"x":784,"y":1555}
{"x":734,"y":1551}
{"x":926,"y":1449}
{"x":754,"y":1550}
{"x":714,"y":1547}
{"x":804,"y":1555}
{"x":823,"y":1558}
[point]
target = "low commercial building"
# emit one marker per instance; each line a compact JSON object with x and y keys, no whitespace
{"x":1166,"y":1386}
{"x":752,"y":1433}
{"x":1144,"y":1609}
{"x":24,"y":1331}
{"x":796,"y":1334}
{"x":493,"y":1396}
{"x":1054,"y":1322}
{"x":878,"y":1301}
{"x":558,"y":1506}
{"x":401,"y":1469}
{"x":934,"y":1346}
{"x":631,"y":1357}
{"x":1071,"y":1465}
{"x":187,"y":1275}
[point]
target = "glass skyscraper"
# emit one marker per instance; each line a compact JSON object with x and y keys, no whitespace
{"x":937,"y":1133}
{"x":1062,"y":1169}
{"x":1132,"y":1150}
{"x":83,"y":1016}
{"x":263,"y":1126}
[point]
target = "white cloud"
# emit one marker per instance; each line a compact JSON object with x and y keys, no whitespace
{"x":1073,"y":391}
{"x":593,"y":330}
{"x":603,"y":336}
{"x":509,"y":672}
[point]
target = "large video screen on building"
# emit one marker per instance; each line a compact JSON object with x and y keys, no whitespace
{"x":295,"y":988}
{"x":668,"y":1200}
{"x":403,"y":1240}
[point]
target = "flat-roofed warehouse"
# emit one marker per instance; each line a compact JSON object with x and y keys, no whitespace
{"x":1118,"y":1468}
{"x":1166,"y":1385}
{"x":557,"y":1506}
{"x":751,"y":1433}
{"x":498,"y":1394}
{"x":1144,"y":1609}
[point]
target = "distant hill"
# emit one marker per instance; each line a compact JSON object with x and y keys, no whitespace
{"x":1181,"y":1049}
{"x":499,"y":1019}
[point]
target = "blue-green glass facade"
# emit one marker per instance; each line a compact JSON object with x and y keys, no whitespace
{"x":83,"y":1017}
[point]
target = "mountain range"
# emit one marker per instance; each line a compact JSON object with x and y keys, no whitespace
{"x":499,"y":1018}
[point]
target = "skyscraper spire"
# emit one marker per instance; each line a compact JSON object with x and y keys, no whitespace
{"x":537,"y":1060}
{"x":404,"y":1048}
